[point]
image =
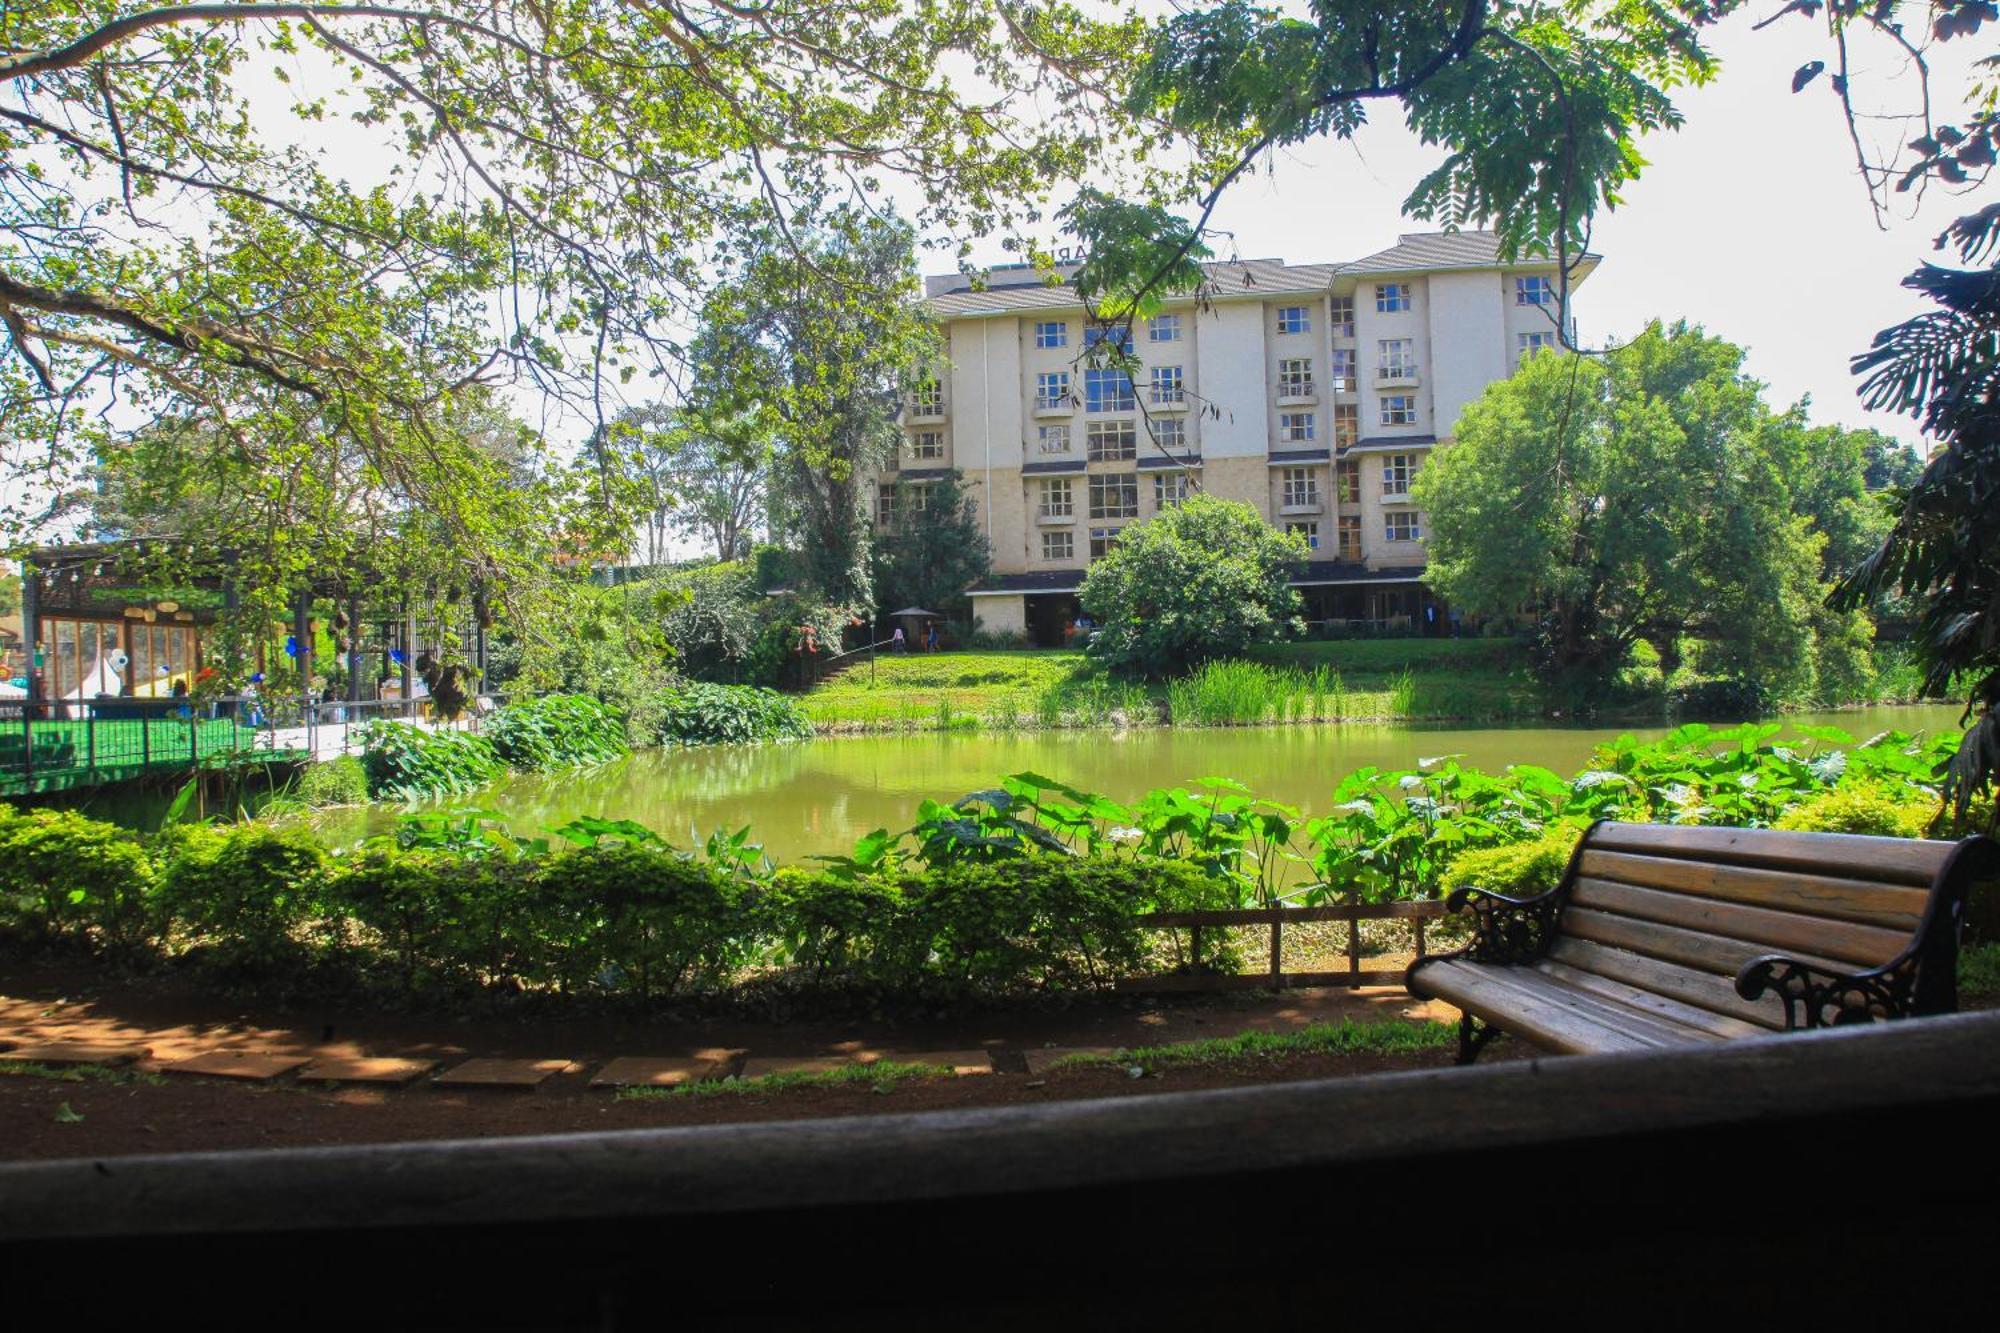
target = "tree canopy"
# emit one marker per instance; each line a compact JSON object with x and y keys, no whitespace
{"x":1647,"y":494}
{"x":928,"y":557}
{"x":1205,"y":578}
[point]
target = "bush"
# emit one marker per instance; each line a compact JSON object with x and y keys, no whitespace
{"x":444,"y":921}
{"x":1861,"y":809}
{"x":242,"y":891}
{"x":557,"y":731}
{"x":62,"y":873}
{"x":1519,"y":870}
{"x":1722,"y":700}
{"x":635,"y":918}
{"x":705,"y":714}
{"x":408,"y":763}
{"x":1208,"y":578}
{"x":341,"y":780}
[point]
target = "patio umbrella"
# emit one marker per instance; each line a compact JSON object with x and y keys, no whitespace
{"x":915,"y":611}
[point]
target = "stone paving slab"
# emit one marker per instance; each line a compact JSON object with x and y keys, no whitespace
{"x":1040,"y":1059}
{"x":254,"y":1066}
{"x":761,"y":1066}
{"x":75,"y":1053}
{"x":500,"y":1073}
{"x":974,"y":1061}
{"x":366,"y":1069}
{"x":662,"y":1071}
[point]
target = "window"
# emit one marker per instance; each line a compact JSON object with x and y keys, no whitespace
{"x":1350,"y":538}
{"x":1295,"y":377}
{"x":1526,"y":343}
{"x":1295,"y":427}
{"x":1308,"y":530}
{"x":1398,"y":357}
{"x":1051,"y":333}
{"x":1119,"y":336}
{"x":1397,"y":469}
{"x":1166,"y":386}
{"x":1347,"y":483}
{"x":1294,"y":319}
{"x":1057,"y":502}
{"x":1052,"y":439}
{"x":1115,"y":495}
{"x":1300,"y":487}
{"x":1343,"y":370}
{"x":1346,"y":424}
{"x":161,"y":655}
{"x":1399,"y":409}
{"x":1058,"y":544}
{"x":1534,"y":291}
{"x":885,"y":505}
{"x":1112,"y":441}
{"x":1401,"y":526}
{"x":1343,"y":317}
{"x":1170,"y":488}
{"x":928,"y":400}
{"x":927,"y":444}
{"x":74,"y":656}
{"x":1052,"y":389}
{"x":1108,"y":391}
{"x":920,"y":497}
{"x":1100,"y":541}
{"x":1163,"y":329}
{"x":1391,"y":297}
{"x":1170,"y":435}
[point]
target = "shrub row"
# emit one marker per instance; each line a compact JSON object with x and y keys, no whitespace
{"x":708,"y":714}
{"x":258,"y":902}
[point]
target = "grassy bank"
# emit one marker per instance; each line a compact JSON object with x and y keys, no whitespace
{"x":1369,"y":680}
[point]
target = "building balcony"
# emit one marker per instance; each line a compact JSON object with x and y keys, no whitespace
{"x":1395,"y":494}
{"x":1046,"y":408}
{"x":1168,"y":404}
{"x":1309,"y":505}
{"x":1297,"y":395}
{"x":927,"y":414}
{"x":1395,"y":377}
{"x":1048,"y":518}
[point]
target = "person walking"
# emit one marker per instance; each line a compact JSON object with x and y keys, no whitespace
{"x":932,"y":641}
{"x":898,"y":642}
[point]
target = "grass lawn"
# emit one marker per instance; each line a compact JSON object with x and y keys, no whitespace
{"x":1317,"y":681}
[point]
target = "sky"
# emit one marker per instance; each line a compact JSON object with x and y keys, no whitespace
{"x":1751,"y":220}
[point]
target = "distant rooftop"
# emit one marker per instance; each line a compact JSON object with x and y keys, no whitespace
{"x":1020,"y":287}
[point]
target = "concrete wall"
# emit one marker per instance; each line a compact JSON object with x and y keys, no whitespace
{"x":1005,"y":614}
{"x":1468,"y":338}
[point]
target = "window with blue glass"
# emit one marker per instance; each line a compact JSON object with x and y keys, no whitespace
{"x":1106,"y":390}
{"x":1117,"y":335}
{"x":1294,"y":319}
{"x":1051,"y":333}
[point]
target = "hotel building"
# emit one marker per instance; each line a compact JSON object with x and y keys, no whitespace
{"x":1313,"y":391}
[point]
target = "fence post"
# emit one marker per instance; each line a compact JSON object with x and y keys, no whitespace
{"x":1277,"y":953}
{"x":90,"y":742}
{"x":1420,"y":936}
{"x":145,"y":742}
{"x":27,"y":740}
{"x":1354,"y":941}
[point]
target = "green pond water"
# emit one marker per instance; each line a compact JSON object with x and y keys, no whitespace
{"x":819,"y":796}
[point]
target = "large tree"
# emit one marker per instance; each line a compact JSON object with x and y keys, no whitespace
{"x":699,"y":477}
{"x":312,"y":226}
{"x":931,"y":555}
{"x":816,"y":341}
{"x":1642,"y":495}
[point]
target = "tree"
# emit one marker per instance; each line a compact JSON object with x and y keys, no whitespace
{"x":1642,"y":495}
{"x":1206,"y":578}
{"x":932,"y":554}
{"x":699,"y":478}
{"x":459,"y":194}
{"x":814,"y":343}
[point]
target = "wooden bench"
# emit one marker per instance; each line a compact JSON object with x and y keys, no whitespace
{"x":1662,"y":935}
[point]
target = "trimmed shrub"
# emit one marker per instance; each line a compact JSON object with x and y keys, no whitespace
{"x":62,"y":873}
{"x":1860,"y":809}
{"x":242,"y":892}
{"x":338,"y":781}
{"x":1519,"y":870}
{"x":705,"y":714}
{"x":557,"y":731}
{"x":408,"y":763}
{"x":442,"y":920}
{"x":635,"y":918}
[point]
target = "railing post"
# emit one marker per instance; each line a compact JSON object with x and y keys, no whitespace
{"x":1277,"y":953}
{"x":90,"y":742}
{"x":27,"y":741}
{"x":145,"y":742}
{"x":1354,"y":941}
{"x":1420,"y":936}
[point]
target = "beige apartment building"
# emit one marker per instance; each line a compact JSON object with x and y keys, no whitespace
{"x":1313,"y":391}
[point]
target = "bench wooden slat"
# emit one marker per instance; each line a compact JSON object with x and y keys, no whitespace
{"x":1859,"y":946}
{"x":1719,"y":1025}
{"x":1642,"y":1025}
{"x":1723,"y":956}
{"x":1704,"y":990}
{"x":1891,"y":906}
{"x":1478,"y":988}
{"x":1913,"y":861}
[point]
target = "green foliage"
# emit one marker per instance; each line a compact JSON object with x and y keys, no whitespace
{"x":1860,"y":808}
{"x":556,"y":731}
{"x":1207,"y":578}
{"x":64,"y":874}
{"x":1521,"y":869}
{"x":708,"y":714}
{"x":573,"y":636}
{"x":928,"y":559}
{"x":409,"y":763}
{"x":1648,"y":493}
{"x":714,"y":623}
{"x":242,"y":892}
{"x":1979,"y":972}
{"x":341,"y":780}
{"x":1347,"y":1037}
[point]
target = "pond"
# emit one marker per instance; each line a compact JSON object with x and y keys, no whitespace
{"x":817,"y":797}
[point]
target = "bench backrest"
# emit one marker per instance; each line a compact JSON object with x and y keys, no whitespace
{"x":1679,"y":911}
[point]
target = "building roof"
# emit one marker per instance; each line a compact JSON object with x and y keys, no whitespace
{"x":1039,"y":580}
{"x":1016,"y":289}
{"x":1277,"y":456}
{"x":1057,"y":465}
{"x":1159,"y":463}
{"x":1374,"y":443}
{"x":1316,"y":572}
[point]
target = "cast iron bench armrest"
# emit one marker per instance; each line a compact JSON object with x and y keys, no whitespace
{"x":1508,"y":930}
{"x":1817,"y":997}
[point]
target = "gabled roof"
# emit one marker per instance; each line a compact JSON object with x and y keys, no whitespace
{"x":1247,"y":277}
{"x":1430,"y":251}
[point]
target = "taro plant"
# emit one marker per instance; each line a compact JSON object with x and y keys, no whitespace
{"x":557,"y":731}
{"x":408,"y":763}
